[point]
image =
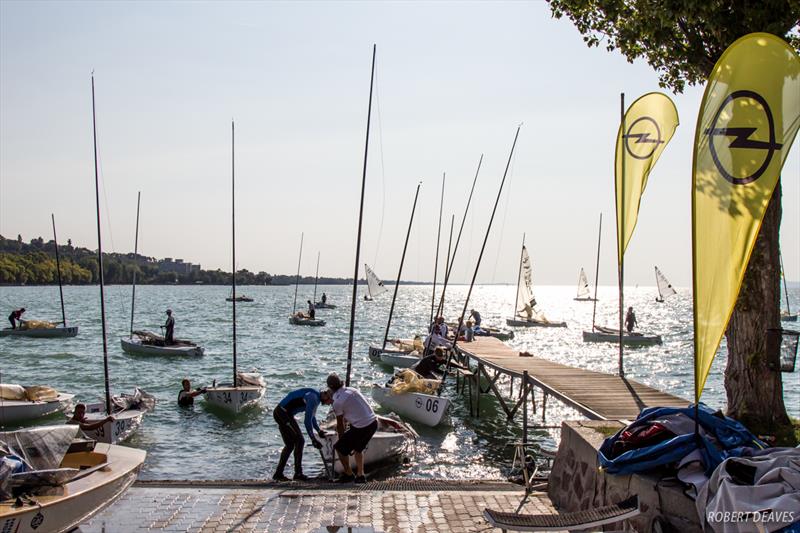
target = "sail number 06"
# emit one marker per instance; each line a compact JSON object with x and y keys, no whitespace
{"x":431,"y":405}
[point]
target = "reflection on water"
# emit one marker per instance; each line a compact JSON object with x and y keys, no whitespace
{"x":200,"y":443}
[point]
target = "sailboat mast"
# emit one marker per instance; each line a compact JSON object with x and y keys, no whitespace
{"x":449,"y":268}
{"x":438,"y":237}
{"x":597,"y":268}
{"x":440,"y":307}
{"x":480,"y":255}
{"x":360,"y":220}
{"x":58,"y":270}
{"x":519,"y":276}
{"x":233,"y":244}
{"x":621,"y":238}
{"x":316,"y":277}
{"x":135,"y":254}
{"x":400,"y":270}
{"x":297,"y":277}
{"x":785,"y":288}
{"x":100,"y":254}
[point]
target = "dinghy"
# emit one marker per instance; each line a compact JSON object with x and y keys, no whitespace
{"x":319,"y":305}
{"x":375,"y":286}
{"x":299,"y":319}
{"x":399,"y":353}
{"x":325,"y":305}
{"x":240,"y":298}
{"x":128,"y":411}
{"x":665,"y":288}
{"x":64,"y":481}
{"x":525,"y":302}
{"x":786,"y":315}
{"x":147,"y":343}
{"x":391,"y":443}
{"x":634,"y":338}
{"x":21,"y":404}
{"x":584,"y":294}
{"x":426,"y":409}
{"x":246,"y":389}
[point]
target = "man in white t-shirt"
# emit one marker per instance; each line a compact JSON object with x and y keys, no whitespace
{"x":350,"y":405}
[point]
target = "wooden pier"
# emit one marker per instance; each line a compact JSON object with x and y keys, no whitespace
{"x":597,"y":395}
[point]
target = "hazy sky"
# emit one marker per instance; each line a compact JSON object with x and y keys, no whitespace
{"x":453,"y":81}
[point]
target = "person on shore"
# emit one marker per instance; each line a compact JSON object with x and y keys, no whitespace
{"x":16,"y":316}
{"x":312,"y":311}
{"x":428,"y":365}
{"x":324,"y":298}
{"x":79,"y":418}
{"x":186,"y":396}
{"x":306,"y":401}
{"x":351,"y":406}
{"x":475,"y":317}
{"x":169,"y":329}
{"x":630,"y":320}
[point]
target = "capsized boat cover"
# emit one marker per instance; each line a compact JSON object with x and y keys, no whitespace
{"x":252,"y":379}
{"x":12,"y":391}
{"x":762,"y":490}
{"x":408,"y":380}
{"x":138,"y":400}
{"x":661,"y":436}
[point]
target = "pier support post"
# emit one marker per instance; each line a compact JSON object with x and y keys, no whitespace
{"x":478,"y":390}
{"x":511,"y":388}
{"x":525,"y":408}
{"x":544,"y":406}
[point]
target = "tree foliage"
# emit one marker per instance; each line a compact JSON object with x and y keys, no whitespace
{"x":680,"y":39}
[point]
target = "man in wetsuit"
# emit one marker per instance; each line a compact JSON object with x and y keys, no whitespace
{"x":186,"y":395}
{"x":430,"y":363}
{"x":312,"y":311}
{"x":16,"y":316}
{"x":298,"y":401}
{"x":169,"y":329}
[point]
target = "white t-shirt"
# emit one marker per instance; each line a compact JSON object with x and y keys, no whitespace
{"x":352,"y":405}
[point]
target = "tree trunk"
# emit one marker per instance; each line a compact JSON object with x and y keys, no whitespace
{"x":755,"y":393}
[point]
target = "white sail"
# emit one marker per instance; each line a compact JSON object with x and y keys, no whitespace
{"x":583,"y":285}
{"x":525,"y":288}
{"x":374,"y":284}
{"x":665,"y":289}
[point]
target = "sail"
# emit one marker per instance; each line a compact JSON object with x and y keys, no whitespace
{"x":665,"y":289}
{"x":525,"y":287}
{"x":583,"y":285}
{"x":374,"y":284}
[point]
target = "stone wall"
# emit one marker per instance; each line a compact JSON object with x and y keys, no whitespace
{"x":577,"y":483}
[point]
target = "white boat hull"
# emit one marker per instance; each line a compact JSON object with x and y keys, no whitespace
{"x":133,"y":345}
{"x":80,"y":499}
{"x":320,"y":305}
{"x":41,"y":333}
{"x":16,"y":411}
{"x":393,"y":358}
{"x":123,"y":426}
{"x":589,"y":299}
{"x":635,"y":339}
{"x":234,"y":399}
{"x":384,"y":446}
{"x":306,"y":321}
{"x":519,"y":323}
{"x":788,"y":318}
{"x":427,"y":409}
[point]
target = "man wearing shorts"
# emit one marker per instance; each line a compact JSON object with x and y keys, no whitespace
{"x":350,"y":405}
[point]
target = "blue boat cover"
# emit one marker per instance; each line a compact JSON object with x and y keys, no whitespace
{"x":732,"y":438}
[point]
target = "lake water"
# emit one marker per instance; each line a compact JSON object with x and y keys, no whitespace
{"x":196,"y":444}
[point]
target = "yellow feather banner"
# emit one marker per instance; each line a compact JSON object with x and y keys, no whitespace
{"x":748,"y":120}
{"x":650,"y":123}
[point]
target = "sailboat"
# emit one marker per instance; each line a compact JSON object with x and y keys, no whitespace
{"x":374,"y":284}
{"x":298,"y":318}
{"x":320,"y":304}
{"x":246,"y":389}
{"x":145,"y":342}
{"x":665,"y":289}
{"x":786,"y":316}
{"x":525,"y":302}
{"x":42,"y":329}
{"x":584,"y":294}
{"x":20,"y":404}
{"x":128,"y":410}
{"x":393,"y":437}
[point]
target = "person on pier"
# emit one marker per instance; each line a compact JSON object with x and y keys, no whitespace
{"x":16,"y":316}
{"x":169,"y":329}
{"x":630,"y":320}
{"x":350,"y":405}
{"x":475,"y":317}
{"x":298,"y":401}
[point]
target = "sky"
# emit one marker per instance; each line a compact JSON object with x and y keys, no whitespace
{"x":453,"y":81}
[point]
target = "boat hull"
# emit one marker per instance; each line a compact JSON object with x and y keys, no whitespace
{"x":426,"y":409}
{"x":383,"y":447}
{"x":320,"y":305}
{"x":238,"y":299}
{"x":513,"y":322}
{"x":789,"y":318}
{"x":134,"y":346}
{"x":41,"y":333}
{"x":627,"y":339}
{"x":123,"y":426}
{"x":306,"y":321}
{"x":234,"y":399}
{"x":16,"y":411}
{"x":585,"y":299}
{"x":80,"y":499}
{"x":393,"y":358}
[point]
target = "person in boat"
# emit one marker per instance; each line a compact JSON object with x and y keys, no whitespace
{"x":351,"y":406}
{"x":438,"y":335}
{"x":324,"y":298}
{"x":306,"y":401}
{"x":16,"y":316}
{"x":186,"y":396}
{"x":312,"y":311}
{"x":475,"y":317}
{"x":630,"y":320}
{"x":428,"y":365}
{"x":79,"y":418}
{"x":169,"y":329}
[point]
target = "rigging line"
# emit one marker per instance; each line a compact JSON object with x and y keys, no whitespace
{"x":105,"y":199}
{"x":383,"y":169}
{"x":505,"y":215}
